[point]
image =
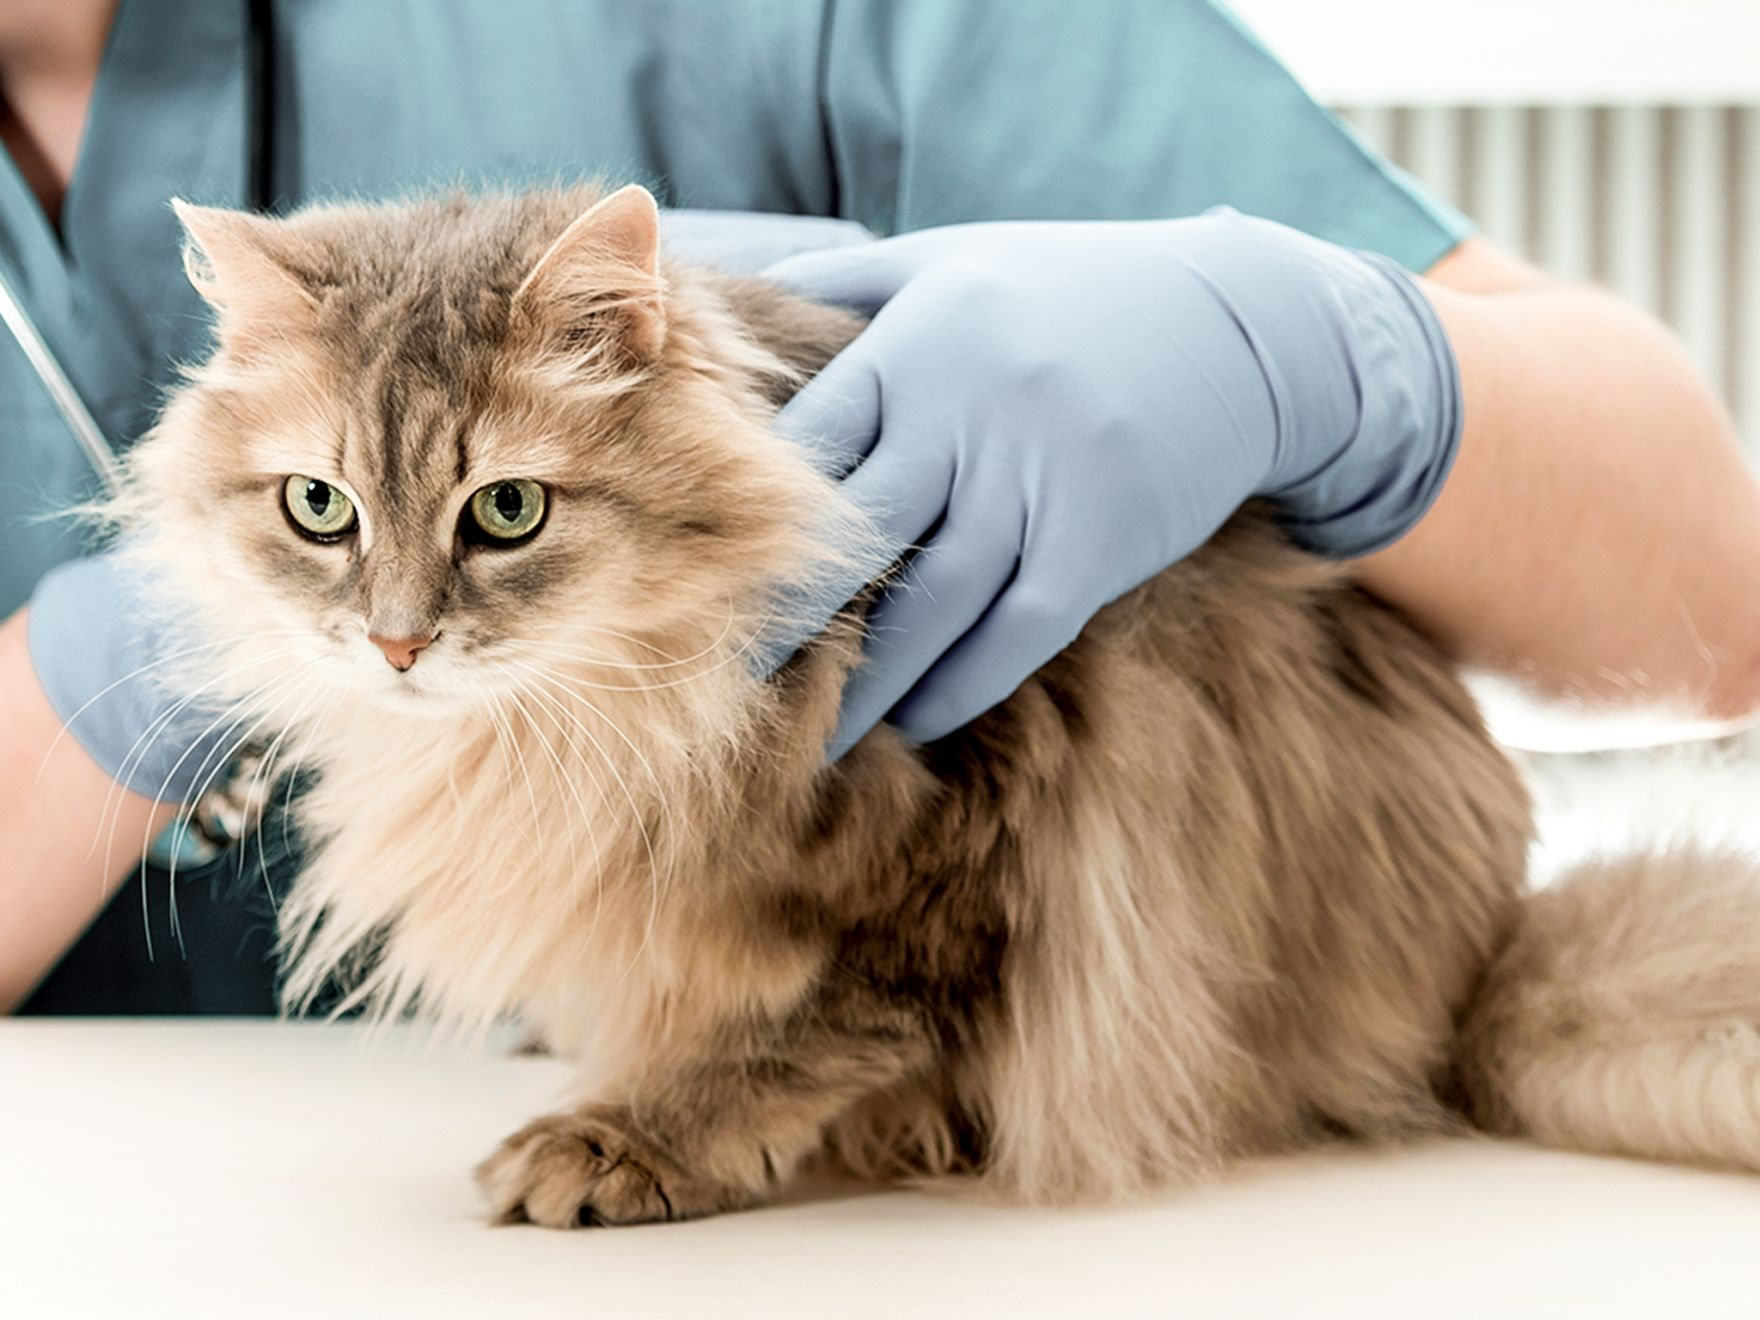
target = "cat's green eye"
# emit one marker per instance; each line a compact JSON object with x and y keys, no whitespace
{"x":318,"y":509}
{"x":507,"y":511}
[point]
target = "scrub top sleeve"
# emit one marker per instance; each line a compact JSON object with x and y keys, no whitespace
{"x":941,"y":111}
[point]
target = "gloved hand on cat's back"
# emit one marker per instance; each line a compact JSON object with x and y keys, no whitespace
{"x":1052,"y":413}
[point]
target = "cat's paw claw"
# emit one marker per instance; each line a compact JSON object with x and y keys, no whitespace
{"x":576,"y":1171}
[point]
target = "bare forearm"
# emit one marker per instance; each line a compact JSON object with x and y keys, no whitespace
{"x":67,"y":834}
{"x":1600,"y":534}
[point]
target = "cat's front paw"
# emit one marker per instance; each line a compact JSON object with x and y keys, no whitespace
{"x":587,"y":1168}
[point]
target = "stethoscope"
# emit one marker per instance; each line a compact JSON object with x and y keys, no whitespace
{"x":81,"y":425}
{"x":259,"y":105}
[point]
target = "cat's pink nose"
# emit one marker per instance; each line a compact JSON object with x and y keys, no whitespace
{"x":400,"y":652}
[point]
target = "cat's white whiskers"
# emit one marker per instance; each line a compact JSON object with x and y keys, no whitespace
{"x":230,"y":722}
{"x":493,"y":712}
{"x":519,"y":757}
{"x":182,"y":654}
{"x":557,"y":681}
{"x":607,"y":662}
{"x":598,"y":787}
{"x":280,"y":681}
{"x":264,"y":781}
{"x":294,"y":684}
{"x":136,"y":754}
{"x":656,"y":880}
{"x":560,"y":651}
{"x":313,"y":739}
{"x":661,"y":878}
{"x":560,"y":775}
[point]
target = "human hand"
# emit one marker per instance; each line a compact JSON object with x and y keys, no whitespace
{"x":1055,"y":412}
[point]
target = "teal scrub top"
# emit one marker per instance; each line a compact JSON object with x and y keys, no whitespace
{"x":898,"y":114}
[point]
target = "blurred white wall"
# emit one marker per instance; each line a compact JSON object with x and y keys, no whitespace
{"x":1517,"y":52}
{"x":1612,"y":140}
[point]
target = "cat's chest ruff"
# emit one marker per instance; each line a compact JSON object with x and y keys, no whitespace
{"x":507,"y":876}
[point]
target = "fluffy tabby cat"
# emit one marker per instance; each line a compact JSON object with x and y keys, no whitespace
{"x":1237,"y":872}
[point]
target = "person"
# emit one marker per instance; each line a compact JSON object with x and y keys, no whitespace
{"x":1055,"y":408}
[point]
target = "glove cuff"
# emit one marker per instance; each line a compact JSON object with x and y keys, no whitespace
{"x":1371,"y":488}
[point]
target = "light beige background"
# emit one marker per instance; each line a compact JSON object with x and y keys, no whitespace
{"x":259,"y":1171}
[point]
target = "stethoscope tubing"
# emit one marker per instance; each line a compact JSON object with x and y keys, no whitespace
{"x":78,"y":418}
{"x":74,"y":413}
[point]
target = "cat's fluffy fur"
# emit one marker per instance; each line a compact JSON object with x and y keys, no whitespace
{"x":1238,"y":871}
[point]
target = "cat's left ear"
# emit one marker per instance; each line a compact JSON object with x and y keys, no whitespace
{"x":603,"y":273}
{"x":234,"y":260}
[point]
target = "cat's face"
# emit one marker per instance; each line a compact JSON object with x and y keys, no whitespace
{"x":443,"y":452}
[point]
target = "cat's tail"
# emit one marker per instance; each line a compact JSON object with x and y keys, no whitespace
{"x":1623,"y":1015}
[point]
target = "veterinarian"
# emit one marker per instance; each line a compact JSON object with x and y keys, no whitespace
{"x":1531,"y":469}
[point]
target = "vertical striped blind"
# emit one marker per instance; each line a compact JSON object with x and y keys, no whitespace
{"x":1658,"y":202}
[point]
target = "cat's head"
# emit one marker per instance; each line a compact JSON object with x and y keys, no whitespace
{"x":443,"y":446}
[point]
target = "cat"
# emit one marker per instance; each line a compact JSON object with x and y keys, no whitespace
{"x":479,"y":499}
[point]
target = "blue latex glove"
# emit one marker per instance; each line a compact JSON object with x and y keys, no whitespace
{"x":103,"y":652}
{"x":1056,"y":412}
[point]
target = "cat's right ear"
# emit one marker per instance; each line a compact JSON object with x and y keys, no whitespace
{"x":599,"y":284}
{"x":236,"y":262}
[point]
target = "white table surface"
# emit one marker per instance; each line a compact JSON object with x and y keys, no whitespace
{"x":266,"y":1170}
